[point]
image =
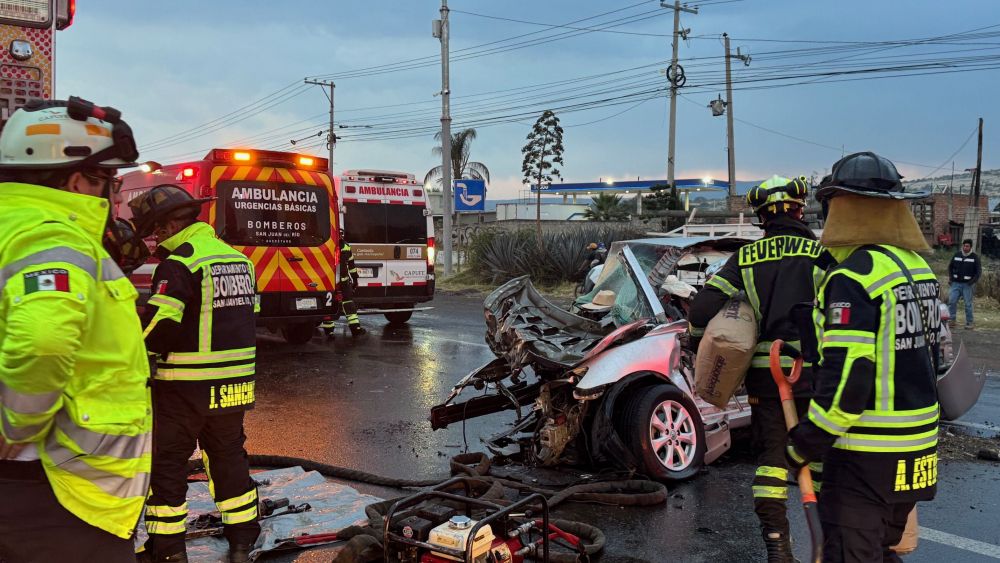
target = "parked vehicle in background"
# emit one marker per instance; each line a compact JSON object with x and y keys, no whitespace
{"x":387,"y":222}
{"x":28,"y":51}
{"x":279,"y":209}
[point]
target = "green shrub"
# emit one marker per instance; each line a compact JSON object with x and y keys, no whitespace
{"x":496,"y":255}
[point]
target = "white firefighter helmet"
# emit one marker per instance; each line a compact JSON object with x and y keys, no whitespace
{"x":47,"y":134}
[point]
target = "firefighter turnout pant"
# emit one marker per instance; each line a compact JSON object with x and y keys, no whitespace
{"x":177,"y":427}
{"x":770,"y":484}
{"x":860,"y":528}
{"x":35,"y":528}
{"x":348,"y":305}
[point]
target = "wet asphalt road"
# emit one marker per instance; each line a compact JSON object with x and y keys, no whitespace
{"x":363,"y":404}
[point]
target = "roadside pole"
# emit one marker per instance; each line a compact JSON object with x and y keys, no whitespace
{"x":731,"y":142}
{"x":677,"y":8}
{"x":441,"y":32}
{"x":331,"y":140}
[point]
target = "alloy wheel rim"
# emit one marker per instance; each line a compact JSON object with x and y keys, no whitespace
{"x":672,"y":435}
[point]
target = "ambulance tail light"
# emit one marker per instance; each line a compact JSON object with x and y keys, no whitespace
{"x":418,"y":193}
{"x":431,"y":251}
{"x":65,"y":13}
{"x":188,"y":173}
{"x":350,"y":189}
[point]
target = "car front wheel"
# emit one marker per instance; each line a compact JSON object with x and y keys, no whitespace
{"x":664,"y":429}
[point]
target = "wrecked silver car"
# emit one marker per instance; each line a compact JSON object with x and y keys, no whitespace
{"x":606,"y":383}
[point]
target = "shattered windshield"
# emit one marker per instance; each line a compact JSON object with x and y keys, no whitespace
{"x":688,"y":259}
{"x":629,"y":302}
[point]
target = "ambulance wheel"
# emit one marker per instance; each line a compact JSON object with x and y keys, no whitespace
{"x":398,"y":317}
{"x":299,"y":333}
{"x":663,"y":428}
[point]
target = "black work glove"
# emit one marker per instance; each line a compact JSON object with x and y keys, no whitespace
{"x":796,"y":460}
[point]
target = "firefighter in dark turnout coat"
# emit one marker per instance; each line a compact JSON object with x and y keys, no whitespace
{"x":776,"y":273}
{"x":200,"y":325}
{"x":347,"y":283}
{"x":874,"y":418}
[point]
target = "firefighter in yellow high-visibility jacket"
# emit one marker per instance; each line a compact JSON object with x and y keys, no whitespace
{"x":75,"y":409}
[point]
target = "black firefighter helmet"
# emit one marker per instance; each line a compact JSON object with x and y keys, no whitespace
{"x":159,"y":203}
{"x":865,"y":174}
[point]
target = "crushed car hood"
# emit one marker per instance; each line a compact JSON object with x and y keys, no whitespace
{"x":524,"y":328}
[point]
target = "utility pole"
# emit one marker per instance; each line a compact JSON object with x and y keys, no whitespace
{"x":729,"y":113}
{"x":674,"y":79}
{"x":972,"y":211}
{"x":441,"y":32}
{"x":331,"y":138}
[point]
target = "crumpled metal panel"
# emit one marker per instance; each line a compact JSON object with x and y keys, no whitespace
{"x":525,"y":328}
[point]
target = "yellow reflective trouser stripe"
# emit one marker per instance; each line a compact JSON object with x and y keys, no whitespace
{"x":204,"y":374}
{"x":155,"y":527}
{"x":163,"y":511}
{"x":817,"y":485}
{"x":241,"y":516}
{"x":776,"y":472}
{"x":761,"y":491}
{"x":722,"y":285}
{"x":236,"y":502}
{"x":816,"y":466}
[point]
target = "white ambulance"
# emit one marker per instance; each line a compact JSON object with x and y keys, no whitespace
{"x":387,"y":222}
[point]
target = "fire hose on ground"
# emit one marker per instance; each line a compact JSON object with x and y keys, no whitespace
{"x":365,"y":542}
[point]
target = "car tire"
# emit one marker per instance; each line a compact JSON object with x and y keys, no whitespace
{"x":668,"y":447}
{"x":298,"y":333}
{"x":398,"y":317}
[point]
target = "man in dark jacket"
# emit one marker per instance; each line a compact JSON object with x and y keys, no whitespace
{"x":963,"y":273}
{"x":200,"y":324}
{"x":776,"y":273}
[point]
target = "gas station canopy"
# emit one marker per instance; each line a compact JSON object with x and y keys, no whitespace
{"x":631,"y":186}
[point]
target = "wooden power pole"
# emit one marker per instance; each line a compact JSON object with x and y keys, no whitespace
{"x":972,"y":219}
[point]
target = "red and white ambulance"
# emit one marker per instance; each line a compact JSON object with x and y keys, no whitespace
{"x":387,"y":222}
{"x":278,"y":208}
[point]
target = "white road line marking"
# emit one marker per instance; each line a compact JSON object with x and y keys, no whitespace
{"x":976,"y":425}
{"x":982,"y":548}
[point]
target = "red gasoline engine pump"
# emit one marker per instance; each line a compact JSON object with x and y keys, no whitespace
{"x":441,"y":526}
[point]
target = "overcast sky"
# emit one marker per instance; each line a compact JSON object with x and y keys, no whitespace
{"x":173,"y":67}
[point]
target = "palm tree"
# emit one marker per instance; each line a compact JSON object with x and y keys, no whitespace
{"x":461,"y":167}
{"x":607,"y":207}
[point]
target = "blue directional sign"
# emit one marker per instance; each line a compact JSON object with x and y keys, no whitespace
{"x":470,"y":195}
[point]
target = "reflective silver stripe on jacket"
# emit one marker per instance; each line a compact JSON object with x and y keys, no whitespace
{"x":108,"y":445}
{"x":233,"y":257}
{"x":63,"y":254}
{"x":114,"y":485}
{"x":850,"y":441}
{"x":27,"y":403}
{"x":818,"y":414}
{"x":848,"y":339}
{"x":110,"y":270}
{"x":19,"y":432}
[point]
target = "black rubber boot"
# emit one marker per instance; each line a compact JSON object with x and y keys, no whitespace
{"x":779,"y":548}
{"x":239,"y":553}
{"x":358,"y":330}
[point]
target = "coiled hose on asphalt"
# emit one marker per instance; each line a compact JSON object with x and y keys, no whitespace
{"x":365,"y":543}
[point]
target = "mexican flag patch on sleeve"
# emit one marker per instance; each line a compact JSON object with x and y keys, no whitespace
{"x":46,"y":280}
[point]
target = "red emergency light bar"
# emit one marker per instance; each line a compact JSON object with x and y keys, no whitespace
{"x":272,"y":158}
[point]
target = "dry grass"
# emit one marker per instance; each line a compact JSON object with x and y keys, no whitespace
{"x":468,"y":282}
